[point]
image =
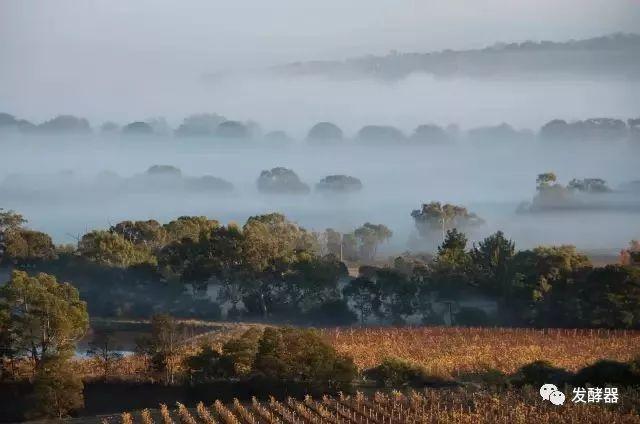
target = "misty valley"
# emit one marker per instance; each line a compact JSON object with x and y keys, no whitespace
{"x":491,"y":170}
{"x":193,"y":231}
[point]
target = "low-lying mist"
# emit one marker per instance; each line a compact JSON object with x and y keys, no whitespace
{"x":66,"y":186}
{"x":294,"y":104}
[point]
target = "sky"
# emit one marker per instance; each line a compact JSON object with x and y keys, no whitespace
{"x":65,"y":56}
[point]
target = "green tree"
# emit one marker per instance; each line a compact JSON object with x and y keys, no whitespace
{"x":145,"y":233}
{"x":25,"y":247}
{"x":46,"y":318}
{"x":546,"y":180}
{"x":364,"y":294}
{"x":452,"y":257}
{"x":190,"y":227}
{"x":207,"y":365}
{"x":370,"y":237}
{"x":551,"y":194}
{"x":435,"y":217}
{"x":9,"y":222}
{"x":272,"y":240}
{"x":545,"y":287}
{"x":112,"y":249}
{"x":313,"y":280}
{"x":450,"y":273}
{"x":293,"y":354}
{"x":611,"y":297}
{"x":241,"y":352}
{"x":176,"y":257}
{"x":236,"y":359}
{"x":492,"y":259}
{"x":220,"y":255}
{"x":397,"y":295}
{"x":271,"y":245}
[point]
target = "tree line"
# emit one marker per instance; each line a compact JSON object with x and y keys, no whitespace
{"x":214,"y":126}
{"x":273,"y":270}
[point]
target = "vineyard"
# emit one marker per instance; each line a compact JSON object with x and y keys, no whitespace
{"x":454,"y":352}
{"x":395,"y":408}
{"x":448,"y":352}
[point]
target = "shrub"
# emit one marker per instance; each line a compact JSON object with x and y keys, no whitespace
{"x":396,"y":372}
{"x":293,"y":354}
{"x":542,"y":372}
{"x":494,"y":378}
{"x":57,"y":389}
{"x":240,"y":352}
{"x":207,"y":365}
{"x":606,"y":372}
{"x":491,"y":377}
{"x":236,"y":360}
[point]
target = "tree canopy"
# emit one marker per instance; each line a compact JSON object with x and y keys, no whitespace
{"x":46,"y":318}
{"x":281,"y":181}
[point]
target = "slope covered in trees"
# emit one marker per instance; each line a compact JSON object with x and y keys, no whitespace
{"x":615,"y":55}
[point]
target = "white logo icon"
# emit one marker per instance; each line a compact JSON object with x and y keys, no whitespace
{"x":551,"y":393}
{"x":557,"y":398}
{"x":547,"y":389}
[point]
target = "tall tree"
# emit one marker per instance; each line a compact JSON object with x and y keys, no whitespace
{"x":434,"y":217}
{"x":397,"y":295}
{"x":451,"y":270}
{"x":190,"y":227}
{"x":364,"y":294}
{"x":46,"y":318}
{"x":370,"y":237}
{"x":9,"y":222}
{"x":545,"y":285}
{"x":26,"y":247}
{"x":492,"y":259}
{"x":546,"y":180}
{"x":611,"y":297}
{"x":271,"y":244}
{"x":312,"y":281}
{"x":146,"y":233}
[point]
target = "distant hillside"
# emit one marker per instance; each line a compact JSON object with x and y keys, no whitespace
{"x":616,"y":55}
